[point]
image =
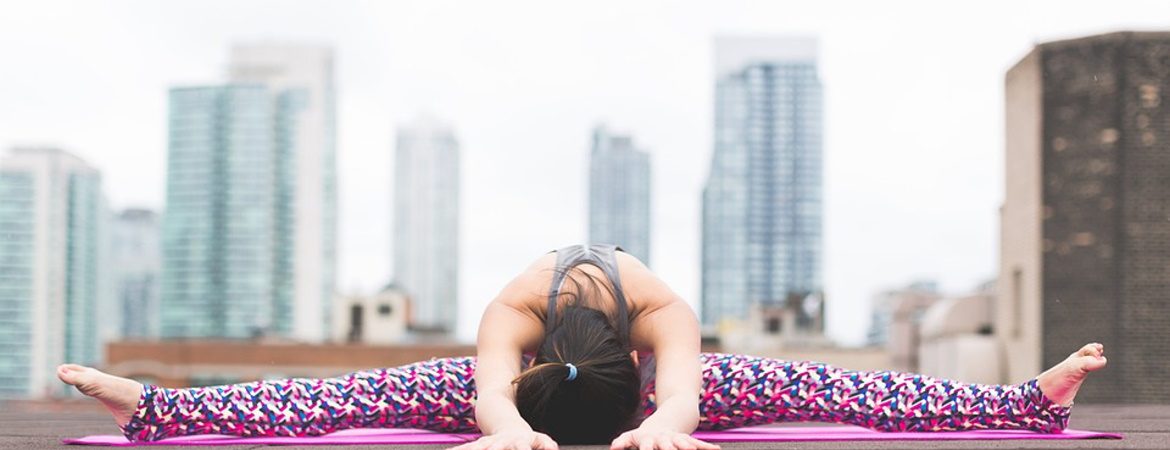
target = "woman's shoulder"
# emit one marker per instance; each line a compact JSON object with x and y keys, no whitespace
{"x":528,"y":290}
{"x":644,"y":291}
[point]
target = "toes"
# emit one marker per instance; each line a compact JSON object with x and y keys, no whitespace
{"x":1089,"y":363}
{"x":66,"y":373}
{"x":1093,"y":349}
{"x":72,"y":373}
{"x":71,"y":367}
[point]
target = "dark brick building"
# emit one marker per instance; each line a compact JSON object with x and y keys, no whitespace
{"x":1086,"y":218}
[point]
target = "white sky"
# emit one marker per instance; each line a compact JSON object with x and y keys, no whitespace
{"x":913,"y":125}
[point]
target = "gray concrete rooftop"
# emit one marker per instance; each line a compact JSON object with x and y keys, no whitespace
{"x":1144,"y":427}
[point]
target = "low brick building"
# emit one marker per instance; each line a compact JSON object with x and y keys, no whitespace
{"x":212,"y":362}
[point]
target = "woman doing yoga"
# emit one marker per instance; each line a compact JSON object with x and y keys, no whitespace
{"x":588,"y":346}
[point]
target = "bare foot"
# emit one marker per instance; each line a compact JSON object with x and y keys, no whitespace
{"x":1061,"y":382}
{"x":119,"y":395}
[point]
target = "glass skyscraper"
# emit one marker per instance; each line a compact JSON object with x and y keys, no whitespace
{"x":306,"y":178}
{"x":219,"y":231}
{"x":762,"y":200}
{"x":426,"y":222}
{"x":52,"y":217}
{"x":619,"y":194}
{"x":249,"y":237}
{"x":136,"y":260}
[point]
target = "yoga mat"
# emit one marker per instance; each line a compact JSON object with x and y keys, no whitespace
{"x":765,"y":434}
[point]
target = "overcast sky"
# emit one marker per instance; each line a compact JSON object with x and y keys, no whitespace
{"x":913,"y":122}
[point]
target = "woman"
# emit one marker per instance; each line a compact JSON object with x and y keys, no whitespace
{"x":588,"y":346}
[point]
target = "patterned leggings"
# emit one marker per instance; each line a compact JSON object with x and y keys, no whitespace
{"x":737,"y":391}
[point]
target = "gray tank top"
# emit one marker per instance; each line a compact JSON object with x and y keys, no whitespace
{"x":604,"y":257}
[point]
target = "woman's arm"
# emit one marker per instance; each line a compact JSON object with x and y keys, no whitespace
{"x":673,"y":332}
{"x":503,"y":333}
{"x":507,"y":328}
{"x":668,"y":327}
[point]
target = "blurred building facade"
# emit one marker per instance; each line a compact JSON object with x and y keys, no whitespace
{"x":1085,"y":237}
{"x":306,"y":177}
{"x":380,"y":319}
{"x":249,"y":235}
{"x":209,"y":362}
{"x":897,"y":318}
{"x":219,"y":229}
{"x":956,"y":340}
{"x":52,"y":213}
{"x":136,"y":266}
{"x":426,"y":222}
{"x":619,"y":193}
{"x":762,"y":199}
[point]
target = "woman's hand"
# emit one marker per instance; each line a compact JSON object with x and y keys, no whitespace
{"x":511,"y":440}
{"x":652,"y":439}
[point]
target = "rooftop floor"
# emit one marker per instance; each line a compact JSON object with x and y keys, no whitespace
{"x":1144,"y":427}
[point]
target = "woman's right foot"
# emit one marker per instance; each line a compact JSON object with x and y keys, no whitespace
{"x":119,"y":395}
{"x":1060,"y":383}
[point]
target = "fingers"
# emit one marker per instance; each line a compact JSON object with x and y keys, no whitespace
{"x":543,"y":442}
{"x":664,"y":443}
{"x":622,"y":442}
{"x":1094,"y":349}
{"x":683,"y":443}
{"x":701,"y":445}
{"x":659,"y":441}
{"x":473,"y":445}
{"x":535,"y":441}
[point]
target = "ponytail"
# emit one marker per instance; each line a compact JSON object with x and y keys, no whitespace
{"x":584,"y":387}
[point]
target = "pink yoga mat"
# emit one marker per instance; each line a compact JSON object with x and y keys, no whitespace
{"x":770,"y":434}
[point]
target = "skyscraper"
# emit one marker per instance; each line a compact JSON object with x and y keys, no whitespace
{"x":619,"y":193}
{"x":136,"y":263}
{"x":220,"y":230}
{"x":51,"y":213}
{"x":426,"y":222}
{"x":306,"y":177}
{"x":762,"y":200}
{"x":249,"y":238}
{"x":1085,"y":240}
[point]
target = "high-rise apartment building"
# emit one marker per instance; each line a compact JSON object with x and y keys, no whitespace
{"x":762,"y":199}
{"x":220,"y":230}
{"x":136,"y":266}
{"x":52,"y":219}
{"x":306,"y":177}
{"x":1085,"y":235}
{"x":619,"y":193}
{"x":249,"y":238}
{"x":426,"y":222}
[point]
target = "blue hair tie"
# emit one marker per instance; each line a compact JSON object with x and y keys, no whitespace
{"x":572,"y":372}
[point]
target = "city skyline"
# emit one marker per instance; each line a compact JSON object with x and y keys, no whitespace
{"x":914,"y":125}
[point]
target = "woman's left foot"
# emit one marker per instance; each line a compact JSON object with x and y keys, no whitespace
{"x":119,"y":395}
{"x":1060,"y":383}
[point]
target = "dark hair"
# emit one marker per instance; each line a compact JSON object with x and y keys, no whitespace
{"x":602,"y":401}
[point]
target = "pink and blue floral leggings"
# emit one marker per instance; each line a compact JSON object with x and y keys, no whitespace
{"x":737,"y":391}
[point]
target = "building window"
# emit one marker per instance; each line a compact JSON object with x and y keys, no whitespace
{"x":355,"y":324}
{"x":385,"y":309}
{"x":1017,"y":302}
{"x":772,"y":326}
